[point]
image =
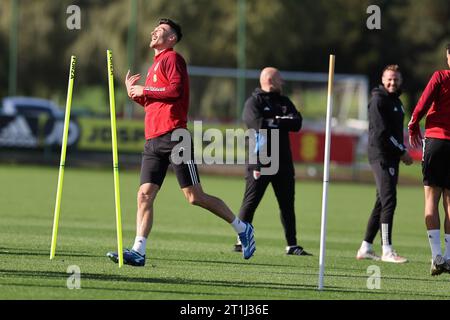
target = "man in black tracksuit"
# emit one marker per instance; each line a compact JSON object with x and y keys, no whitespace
{"x":268,"y":109}
{"x":385,"y":150}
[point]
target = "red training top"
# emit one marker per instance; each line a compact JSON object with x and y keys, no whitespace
{"x":166,"y":94}
{"x":435,"y":103}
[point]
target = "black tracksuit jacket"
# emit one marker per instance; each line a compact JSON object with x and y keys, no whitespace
{"x":260,"y":112}
{"x":386,"y":116}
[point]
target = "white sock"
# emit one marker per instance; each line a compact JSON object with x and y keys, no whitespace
{"x":435,"y":242}
{"x":238,"y":225}
{"x":139,"y":245}
{"x":447,"y":246}
{"x":366,"y":246}
{"x":387,"y":248}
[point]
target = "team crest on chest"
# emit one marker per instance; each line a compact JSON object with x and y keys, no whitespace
{"x":155,"y":78}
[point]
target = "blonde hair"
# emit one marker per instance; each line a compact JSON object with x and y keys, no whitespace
{"x":392,"y":67}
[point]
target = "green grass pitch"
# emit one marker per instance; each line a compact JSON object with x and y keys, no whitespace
{"x":189,"y":250}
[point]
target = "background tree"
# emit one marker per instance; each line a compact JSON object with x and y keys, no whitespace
{"x":289,"y":34}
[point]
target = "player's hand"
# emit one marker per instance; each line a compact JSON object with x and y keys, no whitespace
{"x":136,"y":91}
{"x":415,"y":139}
{"x":272,"y":123}
{"x":130,"y":81}
{"x":406,"y":158}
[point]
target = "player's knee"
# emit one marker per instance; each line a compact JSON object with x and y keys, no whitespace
{"x":389,"y":203}
{"x":145,"y":196}
{"x":195,"y":199}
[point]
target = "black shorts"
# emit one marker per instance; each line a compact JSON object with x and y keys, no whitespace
{"x":436,"y":163}
{"x":161,"y":151}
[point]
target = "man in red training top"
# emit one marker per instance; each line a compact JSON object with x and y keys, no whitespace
{"x":165,"y":98}
{"x":435,"y":104}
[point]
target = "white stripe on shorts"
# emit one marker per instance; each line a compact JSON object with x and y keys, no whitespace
{"x":192,"y":172}
{"x":423,"y":149}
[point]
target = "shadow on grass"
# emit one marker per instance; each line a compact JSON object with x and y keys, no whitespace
{"x":207,"y":283}
{"x":118,"y":289}
{"x":36,"y":252}
{"x":301,"y":273}
{"x":252,"y":263}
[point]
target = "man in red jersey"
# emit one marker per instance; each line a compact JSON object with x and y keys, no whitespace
{"x":435,"y":104}
{"x":165,"y":98}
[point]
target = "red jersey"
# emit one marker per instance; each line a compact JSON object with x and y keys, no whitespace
{"x":435,"y":103}
{"x":166,"y":94}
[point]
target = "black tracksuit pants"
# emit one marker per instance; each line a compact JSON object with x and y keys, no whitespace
{"x":283,"y":185}
{"x":386,"y":178}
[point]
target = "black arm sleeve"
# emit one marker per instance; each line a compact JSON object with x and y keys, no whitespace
{"x":294,"y":119}
{"x":251,"y":115}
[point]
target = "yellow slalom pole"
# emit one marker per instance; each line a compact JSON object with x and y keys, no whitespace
{"x":112,"y":105}
{"x":73,"y":61}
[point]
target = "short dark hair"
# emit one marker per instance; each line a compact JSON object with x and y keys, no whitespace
{"x":175,"y":27}
{"x":448,"y":48}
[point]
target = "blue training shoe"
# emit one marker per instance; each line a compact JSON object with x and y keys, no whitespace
{"x":248,"y":241}
{"x":130,"y":257}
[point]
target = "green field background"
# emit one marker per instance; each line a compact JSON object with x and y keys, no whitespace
{"x":189,"y":252}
